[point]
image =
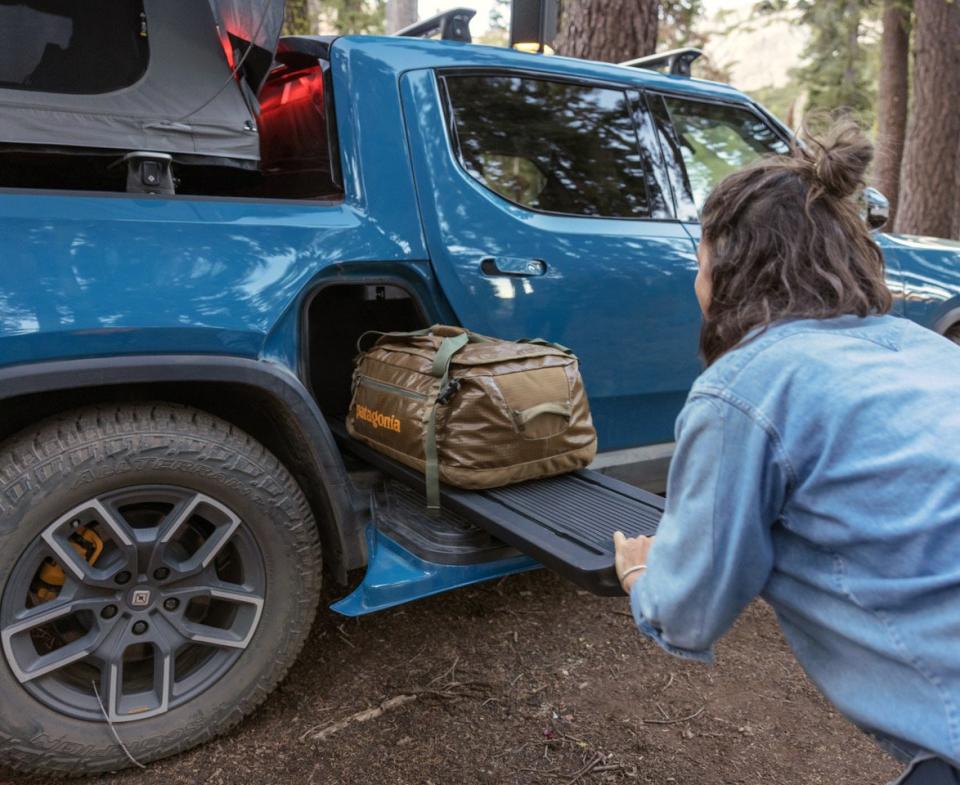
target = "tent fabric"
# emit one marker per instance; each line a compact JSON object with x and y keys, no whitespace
{"x":187,"y":101}
{"x":48,"y":55}
{"x":251,"y":22}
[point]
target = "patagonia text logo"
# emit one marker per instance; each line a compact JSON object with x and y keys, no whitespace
{"x":378,"y":419}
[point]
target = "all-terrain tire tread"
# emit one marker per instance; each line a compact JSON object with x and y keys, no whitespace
{"x":90,"y":427}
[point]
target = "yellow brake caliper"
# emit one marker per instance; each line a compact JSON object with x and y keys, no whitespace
{"x":51,"y":576}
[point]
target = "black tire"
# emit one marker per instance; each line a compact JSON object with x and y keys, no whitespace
{"x":52,"y":468}
{"x":953,"y":333}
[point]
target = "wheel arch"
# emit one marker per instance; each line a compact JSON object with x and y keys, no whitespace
{"x":949,"y":320}
{"x":266,"y":401}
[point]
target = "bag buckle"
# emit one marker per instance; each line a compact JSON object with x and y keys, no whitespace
{"x":452,"y":389}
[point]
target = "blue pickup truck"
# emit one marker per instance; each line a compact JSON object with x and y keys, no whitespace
{"x":198,"y":220}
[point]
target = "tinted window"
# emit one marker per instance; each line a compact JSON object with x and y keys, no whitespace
{"x":715,"y":140}
{"x":72,"y":46}
{"x":552,"y":146}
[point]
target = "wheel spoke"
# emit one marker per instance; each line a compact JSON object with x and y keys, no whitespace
{"x":26,"y":662}
{"x":237,"y":634}
{"x":147,"y":594}
{"x":225,"y":524}
{"x":170,"y":527}
{"x":121,"y":706}
{"x":57,"y":537}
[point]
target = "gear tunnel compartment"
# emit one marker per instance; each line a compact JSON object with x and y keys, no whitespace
{"x":565,"y":522}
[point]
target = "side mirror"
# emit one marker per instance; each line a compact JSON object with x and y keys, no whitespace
{"x":877,"y":208}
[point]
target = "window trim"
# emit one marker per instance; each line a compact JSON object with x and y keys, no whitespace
{"x":748,"y":106}
{"x":636,"y":103}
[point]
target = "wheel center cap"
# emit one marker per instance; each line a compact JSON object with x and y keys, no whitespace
{"x":140,"y":598}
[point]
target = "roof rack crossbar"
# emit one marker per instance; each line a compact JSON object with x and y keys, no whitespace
{"x":453,"y":25}
{"x":676,"y":61}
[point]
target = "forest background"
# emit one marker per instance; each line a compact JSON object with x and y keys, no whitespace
{"x":892,"y":64}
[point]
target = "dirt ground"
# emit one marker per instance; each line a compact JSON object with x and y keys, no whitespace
{"x":529,"y":680}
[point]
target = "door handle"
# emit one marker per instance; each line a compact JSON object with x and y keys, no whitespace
{"x":512,"y":265}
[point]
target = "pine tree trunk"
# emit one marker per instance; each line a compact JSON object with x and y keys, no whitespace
{"x":296,"y":18}
{"x":929,"y":187}
{"x":400,"y":14}
{"x":301,"y":17}
{"x":609,"y":30}
{"x":314,"y":10}
{"x":851,"y":18}
{"x":892,"y":98}
{"x":956,"y":215}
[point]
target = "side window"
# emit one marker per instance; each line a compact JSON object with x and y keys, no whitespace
{"x":552,"y":146}
{"x":713,"y":140}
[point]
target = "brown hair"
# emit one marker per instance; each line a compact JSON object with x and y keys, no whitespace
{"x":786,"y":241}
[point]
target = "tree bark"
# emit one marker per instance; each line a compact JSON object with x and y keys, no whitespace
{"x":929,"y":174}
{"x":892,"y":98}
{"x":400,"y":14}
{"x":609,"y":30}
{"x":302,"y":17}
{"x":851,"y":18}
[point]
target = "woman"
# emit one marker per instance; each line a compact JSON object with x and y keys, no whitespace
{"x":817,"y":462}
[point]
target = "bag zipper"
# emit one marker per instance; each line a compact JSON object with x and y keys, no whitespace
{"x":391,"y":388}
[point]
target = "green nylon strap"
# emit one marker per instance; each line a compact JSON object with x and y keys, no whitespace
{"x":449,"y":347}
{"x":411,"y":334}
{"x":441,"y":368}
{"x":551,"y":344}
{"x":523,"y":416}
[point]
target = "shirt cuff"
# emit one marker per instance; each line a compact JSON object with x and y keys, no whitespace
{"x":656,"y":635}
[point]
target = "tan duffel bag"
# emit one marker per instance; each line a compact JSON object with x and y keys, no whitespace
{"x":471,"y":411}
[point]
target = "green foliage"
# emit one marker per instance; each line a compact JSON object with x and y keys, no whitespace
{"x":498,"y":33}
{"x":357,"y":16}
{"x":296,"y":18}
{"x":778,"y":100}
{"x":840,"y":71}
{"x":677,"y":18}
{"x":500,"y":15}
{"x":345,"y":16}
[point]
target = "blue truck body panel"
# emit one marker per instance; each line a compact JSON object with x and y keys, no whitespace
{"x":110,"y":302}
{"x":395,"y":576}
{"x":929,"y":270}
{"x":640,"y":357}
{"x":90,"y":275}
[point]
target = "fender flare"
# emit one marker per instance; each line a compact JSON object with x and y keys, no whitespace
{"x":344,"y":532}
{"x":947,"y":320}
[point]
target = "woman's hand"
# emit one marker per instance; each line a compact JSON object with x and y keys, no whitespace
{"x":631,"y":552}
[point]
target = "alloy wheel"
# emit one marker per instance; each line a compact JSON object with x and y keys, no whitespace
{"x":132,"y":603}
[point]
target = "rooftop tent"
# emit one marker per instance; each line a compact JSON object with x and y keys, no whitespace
{"x":249,"y":30}
{"x":125,"y":75}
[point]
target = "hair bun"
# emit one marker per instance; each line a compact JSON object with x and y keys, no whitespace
{"x":840,"y":157}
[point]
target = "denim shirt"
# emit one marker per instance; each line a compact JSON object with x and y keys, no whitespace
{"x":818,"y":466}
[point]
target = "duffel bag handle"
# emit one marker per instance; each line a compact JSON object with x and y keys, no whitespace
{"x":446,"y":330}
{"x":452,"y":331}
{"x":522,"y":416}
{"x":381,"y":333}
{"x":543,"y":342}
{"x":439,"y":330}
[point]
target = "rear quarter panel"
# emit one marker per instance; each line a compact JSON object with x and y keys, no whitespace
{"x":88,"y":274}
